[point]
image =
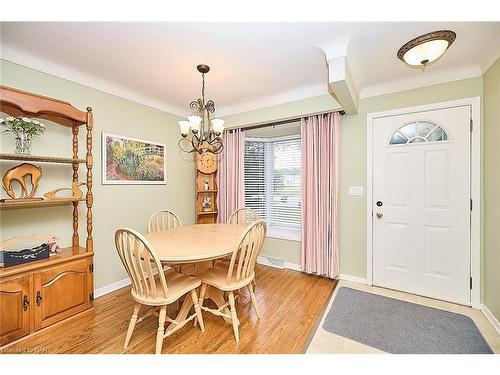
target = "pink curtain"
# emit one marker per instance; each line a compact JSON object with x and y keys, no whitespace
{"x":320,"y":194}
{"x":231,"y":174}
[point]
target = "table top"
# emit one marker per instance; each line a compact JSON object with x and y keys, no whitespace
{"x":196,"y":243}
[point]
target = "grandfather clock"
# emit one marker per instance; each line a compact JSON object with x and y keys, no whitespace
{"x":206,"y":188}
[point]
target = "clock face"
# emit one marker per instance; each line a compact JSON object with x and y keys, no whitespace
{"x":207,"y":163}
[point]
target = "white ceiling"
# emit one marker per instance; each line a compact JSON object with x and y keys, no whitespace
{"x":253,"y":64}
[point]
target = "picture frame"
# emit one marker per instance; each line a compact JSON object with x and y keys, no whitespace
{"x":132,"y":161}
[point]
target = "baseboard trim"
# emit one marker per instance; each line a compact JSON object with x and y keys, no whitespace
{"x":117,"y":285}
{"x":288,"y":265}
{"x":111,"y":287}
{"x":491,"y":318}
{"x":353,"y":279}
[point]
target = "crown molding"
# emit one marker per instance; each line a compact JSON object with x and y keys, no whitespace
{"x":299,"y":93}
{"x":422,"y":79}
{"x":98,"y":83}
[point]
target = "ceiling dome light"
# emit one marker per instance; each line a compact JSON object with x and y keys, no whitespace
{"x":425,"y":49}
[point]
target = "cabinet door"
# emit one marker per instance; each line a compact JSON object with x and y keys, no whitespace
{"x":15,"y":304}
{"x":61,"y":291}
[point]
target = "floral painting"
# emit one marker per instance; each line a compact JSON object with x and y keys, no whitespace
{"x":132,"y":161}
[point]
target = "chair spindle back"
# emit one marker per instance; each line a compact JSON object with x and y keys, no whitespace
{"x":163,"y":220}
{"x":140,"y":262}
{"x":243,"y":260}
{"x":243,"y":215}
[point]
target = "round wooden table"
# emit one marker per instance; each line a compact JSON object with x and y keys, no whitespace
{"x":198,"y":244}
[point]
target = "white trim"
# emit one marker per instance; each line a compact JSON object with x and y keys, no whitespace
{"x":296,"y":94}
{"x":118,"y":285}
{"x":430,"y":78}
{"x":491,"y":318}
{"x":288,"y":234}
{"x":352,"y":279}
{"x":475,"y":105}
{"x":94,"y":82}
{"x":293,"y":266}
{"x":262,"y":260}
{"x":111,"y":287}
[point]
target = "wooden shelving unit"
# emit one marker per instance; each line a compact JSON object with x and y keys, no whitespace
{"x":41,"y":159}
{"x":207,"y":212}
{"x":38,"y":294}
{"x":10,"y":205}
{"x":206,"y":172}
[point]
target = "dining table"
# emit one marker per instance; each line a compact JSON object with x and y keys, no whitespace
{"x":198,"y":244}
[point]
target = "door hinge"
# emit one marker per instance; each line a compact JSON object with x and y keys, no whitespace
{"x":91,"y":267}
{"x":471,"y":283}
{"x":471,"y":125}
{"x":471,"y":204}
{"x":91,"y":296}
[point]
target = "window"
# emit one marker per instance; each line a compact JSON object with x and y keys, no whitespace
{"x":272,"y":183}
{"x":418,"y":132}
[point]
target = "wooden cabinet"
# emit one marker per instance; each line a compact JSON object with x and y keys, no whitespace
{"x":15,"y":301}
{"x":37,"y":299}
{"x":61,"y":291}
{"x":36,"y":295}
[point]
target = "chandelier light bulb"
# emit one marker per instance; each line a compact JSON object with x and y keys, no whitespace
{"x":184,"y":126}
{"x":195,"y":122}
{"x":218,"y":126}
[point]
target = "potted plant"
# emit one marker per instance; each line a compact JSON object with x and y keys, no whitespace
{"x":23,"y":129}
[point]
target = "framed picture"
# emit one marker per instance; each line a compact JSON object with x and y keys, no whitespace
{"x":127,"y":160}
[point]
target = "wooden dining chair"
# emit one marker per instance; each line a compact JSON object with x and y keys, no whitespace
{"x":163,"y":220}
{"x":243,"y":215}
{"x":239,"y":274}
{"x":142,"y":263}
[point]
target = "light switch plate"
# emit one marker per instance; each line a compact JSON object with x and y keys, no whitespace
{"x":356,"y":190}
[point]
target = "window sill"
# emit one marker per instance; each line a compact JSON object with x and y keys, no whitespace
{"x":284,"y":234}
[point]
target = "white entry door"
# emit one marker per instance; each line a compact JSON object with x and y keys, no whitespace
{"x":421,"y":203}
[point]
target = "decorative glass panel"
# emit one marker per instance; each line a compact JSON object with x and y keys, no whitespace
{"x":398,"y":139}
{"x":418,"y":132}
{"x":408,"y":130}
{"x":425,"y":128}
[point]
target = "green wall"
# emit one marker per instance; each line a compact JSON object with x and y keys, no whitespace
{"x":492,"y":189}
{"x":130,"y":206}
{"x":114,"y":205}
{"x":353,"y":159}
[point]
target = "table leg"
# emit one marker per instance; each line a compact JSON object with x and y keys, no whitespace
{"x":217,"y":296}
{"x":183,"y":313}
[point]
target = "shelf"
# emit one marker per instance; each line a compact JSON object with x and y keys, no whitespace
{"x":67,"y":253}
{"x":207,"y":212}
{"x":41,"y":159}
{"x":45,"y":203}
{"x":207,"y":191}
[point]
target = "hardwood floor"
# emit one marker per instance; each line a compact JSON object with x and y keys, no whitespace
{"x":290,"y":302}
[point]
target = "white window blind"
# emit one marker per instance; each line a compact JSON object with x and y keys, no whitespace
{"x":272,"y":181}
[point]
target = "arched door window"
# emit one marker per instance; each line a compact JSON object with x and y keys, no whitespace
{"x":418,"y":132}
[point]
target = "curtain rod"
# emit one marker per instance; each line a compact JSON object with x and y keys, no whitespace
{"x":282,"y":122}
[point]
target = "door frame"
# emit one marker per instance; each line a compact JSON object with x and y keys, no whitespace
{"x":475,"y":185}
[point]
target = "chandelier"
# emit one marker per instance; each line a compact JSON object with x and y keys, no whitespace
{"x":206,"y":133}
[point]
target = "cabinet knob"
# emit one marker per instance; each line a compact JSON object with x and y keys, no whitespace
{"x":26,"y":302}
{"x":38,"y":298}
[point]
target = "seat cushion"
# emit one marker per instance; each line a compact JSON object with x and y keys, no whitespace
{"x":217,"y":275}
{"x":178,"y":284}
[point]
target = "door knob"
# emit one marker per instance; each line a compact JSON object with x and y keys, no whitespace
{"x":380,"y":215}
